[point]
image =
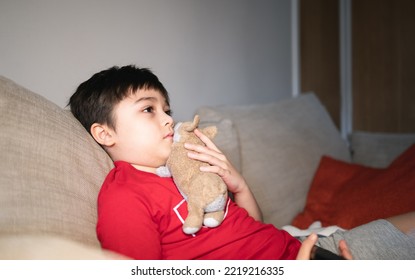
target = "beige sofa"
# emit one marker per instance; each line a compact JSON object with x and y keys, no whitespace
{"x":51,"y":169}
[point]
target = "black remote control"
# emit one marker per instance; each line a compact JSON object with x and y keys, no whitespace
{"x":318,"y":253}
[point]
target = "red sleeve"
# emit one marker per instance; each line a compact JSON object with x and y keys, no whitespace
{"x":126,"y":226}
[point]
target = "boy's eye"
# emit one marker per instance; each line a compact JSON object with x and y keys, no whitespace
{"x":168,"y":112}
{"x":148,"y":110}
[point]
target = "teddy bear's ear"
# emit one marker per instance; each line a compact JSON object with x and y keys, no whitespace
{"x":210,"y":131}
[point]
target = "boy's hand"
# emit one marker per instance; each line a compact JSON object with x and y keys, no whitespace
{"x":219,"y":164}
{"x":344,"y":250}
{"x":305,"y":250}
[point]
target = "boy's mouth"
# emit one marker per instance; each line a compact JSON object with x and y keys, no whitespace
{"x":170,"y":135}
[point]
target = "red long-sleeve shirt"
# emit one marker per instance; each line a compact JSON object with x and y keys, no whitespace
{"x":141,"y":215}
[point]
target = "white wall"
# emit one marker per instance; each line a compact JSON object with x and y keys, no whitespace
{"x":205,"y":52}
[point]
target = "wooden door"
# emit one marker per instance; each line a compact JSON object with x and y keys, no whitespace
{"x":383,"y":59}
{"x":319,"y":52}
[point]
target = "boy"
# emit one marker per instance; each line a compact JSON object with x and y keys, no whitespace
{"x":140,"y":214}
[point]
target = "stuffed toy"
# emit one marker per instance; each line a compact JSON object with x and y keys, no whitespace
{"x":206,"y":193}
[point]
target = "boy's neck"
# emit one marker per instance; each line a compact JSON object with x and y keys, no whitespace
{"x":145,"y":168}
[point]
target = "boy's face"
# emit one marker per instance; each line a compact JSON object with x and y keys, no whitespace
{"x":143,"y":133}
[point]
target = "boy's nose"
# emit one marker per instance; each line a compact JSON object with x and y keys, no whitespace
{"x":169,"y":120}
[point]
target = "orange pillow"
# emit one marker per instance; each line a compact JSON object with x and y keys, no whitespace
{"x":348,"y":195}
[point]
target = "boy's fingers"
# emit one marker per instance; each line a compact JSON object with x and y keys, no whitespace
{"x":305,"y":249}
{"x":208,"y":158}
{"x":205,"y":150}
{"x":344,"y":250}
{"x":208,"y":142}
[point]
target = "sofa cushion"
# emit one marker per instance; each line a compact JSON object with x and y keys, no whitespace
{"x":349,"y":195}
{"x":379,"y":149}
{"x":51,"y":169}
{"x":280,"y":146}
{"x":50,"y":247}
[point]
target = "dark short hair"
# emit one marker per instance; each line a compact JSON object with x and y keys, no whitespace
{"x":94,"y":99}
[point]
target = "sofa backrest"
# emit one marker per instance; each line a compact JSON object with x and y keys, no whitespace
{"x":277,"y":147}
{"x":51,"y":168}
{"x":377,"y":149}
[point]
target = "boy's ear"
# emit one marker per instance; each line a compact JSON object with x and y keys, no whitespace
{"x":102,"y":134}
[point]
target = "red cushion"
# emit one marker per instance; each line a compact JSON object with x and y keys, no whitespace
{"x":348,"y":195}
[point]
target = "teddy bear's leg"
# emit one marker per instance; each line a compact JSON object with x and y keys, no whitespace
{"x":194,"y":219}
{"x":213,"y":219}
